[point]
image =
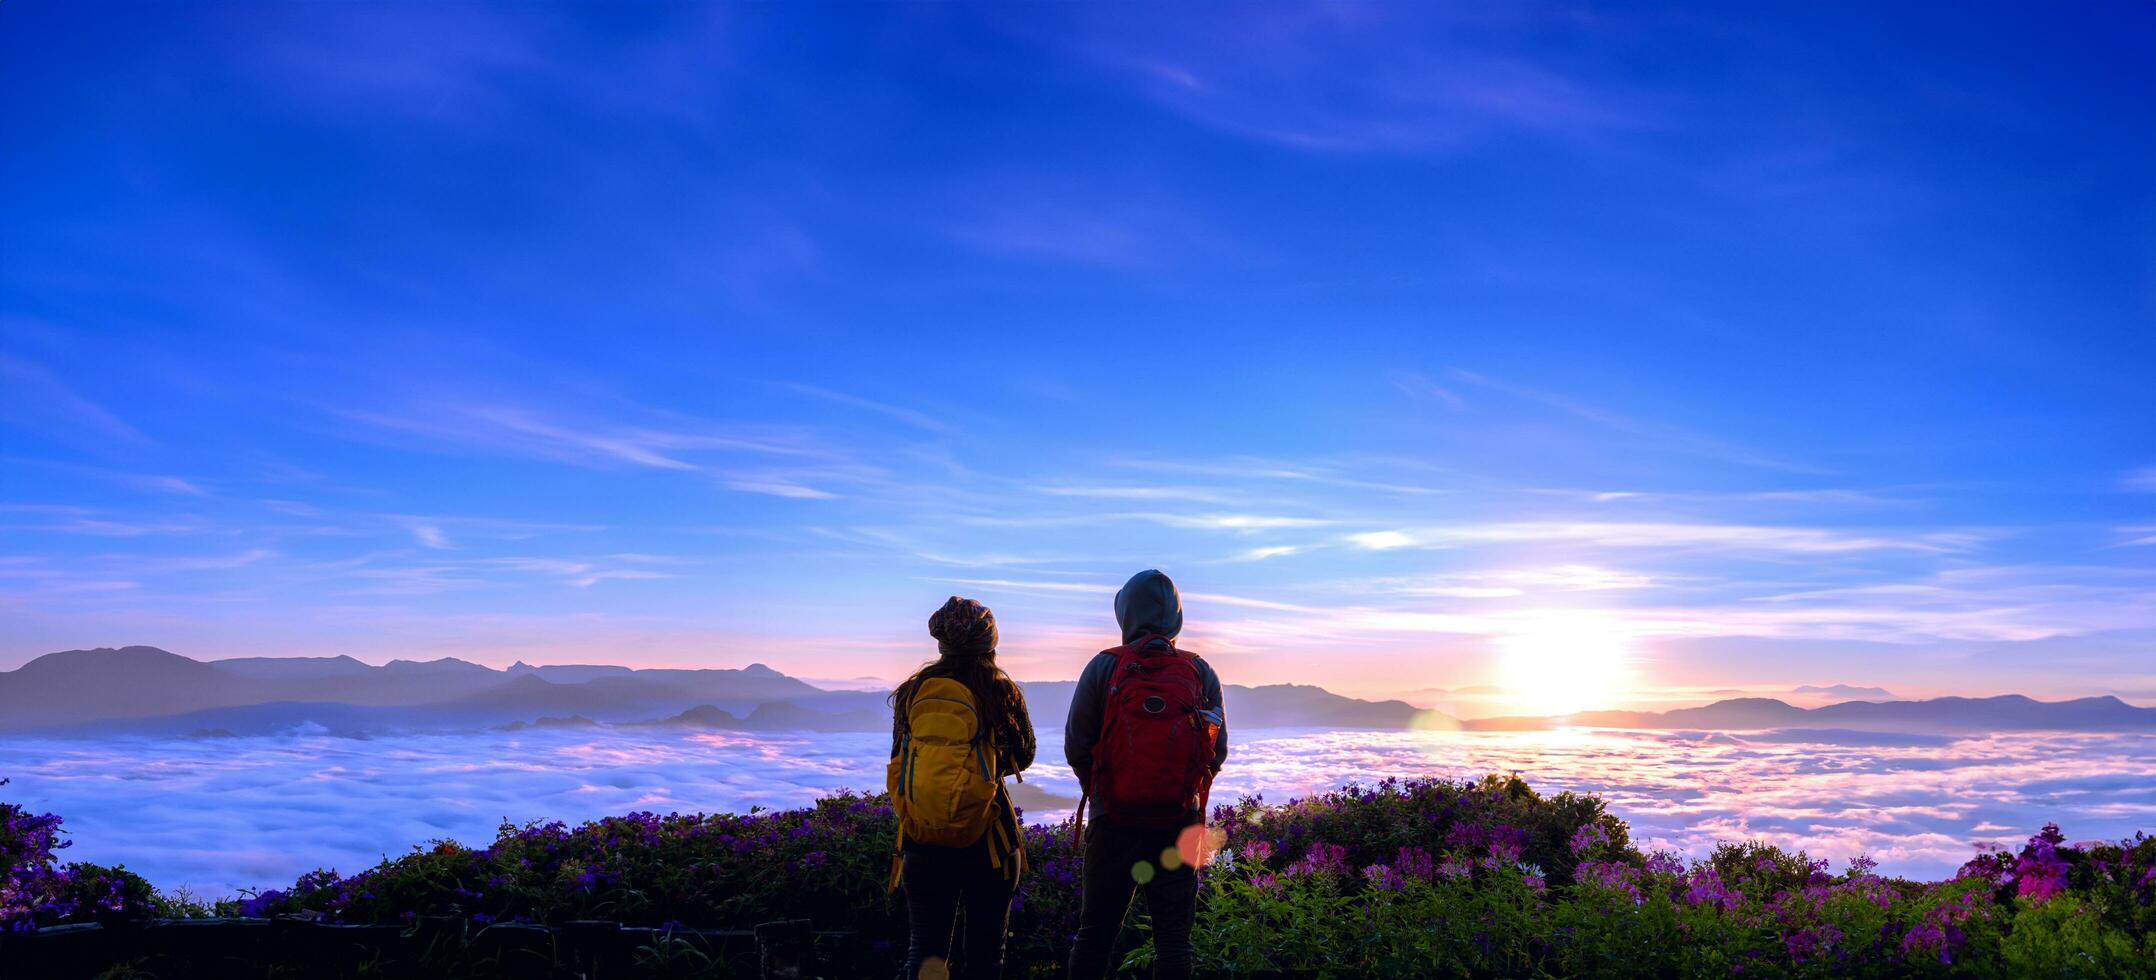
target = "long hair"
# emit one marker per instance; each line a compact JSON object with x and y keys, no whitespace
{"x":965,"y":633}
{"x":988,"y":684}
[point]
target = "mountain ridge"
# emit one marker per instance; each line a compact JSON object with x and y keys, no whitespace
{"x":148,"y":690}
{"x":151,"y":690}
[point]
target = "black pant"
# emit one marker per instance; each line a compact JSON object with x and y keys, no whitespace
{"x":937,"y":879}
{"x":1112,"y":856}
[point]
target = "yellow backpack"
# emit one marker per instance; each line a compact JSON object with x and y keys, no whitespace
{"x":944,"y":779}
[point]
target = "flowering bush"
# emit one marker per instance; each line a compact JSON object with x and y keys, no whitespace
{"x":36,"y":890}
{"x":1406,"y":878}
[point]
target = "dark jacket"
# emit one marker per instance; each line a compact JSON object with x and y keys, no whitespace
{"x":1148,"y":604}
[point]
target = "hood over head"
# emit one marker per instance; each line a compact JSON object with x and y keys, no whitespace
{"x":1149,"y":603}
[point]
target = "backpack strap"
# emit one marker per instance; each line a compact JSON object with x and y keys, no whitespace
{"x":898,"y":856}
{"x":1006,"y":841}
{"x":1124,"y":655}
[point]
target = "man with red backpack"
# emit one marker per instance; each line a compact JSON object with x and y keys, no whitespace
{"x":1146,"y":734}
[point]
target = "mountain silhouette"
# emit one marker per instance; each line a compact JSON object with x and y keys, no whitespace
{"x":130,"y":682}
{"x":77,"y":688}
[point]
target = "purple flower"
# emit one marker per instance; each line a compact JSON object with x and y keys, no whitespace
{"x":1704,"y":887}
{"x":1416,"y":863}
{"x":260,"y":904}
{"x":1588,"y":836}
{"x":2041,"y":873}
{"x":1383,"y":878}
{"x":1611,"y":876}
{"x":1664,"y":863}
{"x":1322,"y":858}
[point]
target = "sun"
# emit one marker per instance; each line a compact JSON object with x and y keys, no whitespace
{"x":1565,"y":664}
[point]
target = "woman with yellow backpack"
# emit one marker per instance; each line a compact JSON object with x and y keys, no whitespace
{"x":958,"y":726}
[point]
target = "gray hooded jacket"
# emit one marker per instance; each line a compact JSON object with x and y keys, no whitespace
{"x":1147,"y":604}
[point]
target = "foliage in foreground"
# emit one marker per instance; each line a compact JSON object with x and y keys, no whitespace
{"x":1407,"y":878}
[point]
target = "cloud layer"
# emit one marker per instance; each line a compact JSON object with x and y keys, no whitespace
{"x":218,"y":815}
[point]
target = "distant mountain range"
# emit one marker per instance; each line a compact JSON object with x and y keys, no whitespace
{"x":145,"y":690}
{"x":104,"y":687}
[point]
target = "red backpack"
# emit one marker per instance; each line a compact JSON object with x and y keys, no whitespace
{"x":1153,"y":762}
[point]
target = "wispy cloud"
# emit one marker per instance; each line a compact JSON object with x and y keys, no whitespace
{"x":1809,"y":498}
{"x":775,"y":488}
{"x":1422,"y":387}
{"x":34,"y":397}
{"x":1233,"y":522}
{"x":513,"y":430}
{"x":1508,"y":582}
{"x":147,"y":482}
{"x":1340,"y":80}
{"x":1350,"y":474}
{"x":1657,"y":435}
{"x":1726,"y":537}
{"x":913,"y":417}
{"x":140,"y":565}
{"x":1200,"y":495}
{"x":907,"y":544}
{"x":1068,"y":234}
{"x":430,"y":535}
{"x":435,"y":530}
{"x":1089,"y":588}
{"x":97,"y":522}
{"x":582,"y":574}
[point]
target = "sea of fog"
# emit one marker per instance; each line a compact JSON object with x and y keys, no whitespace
{"x":219,"y":815}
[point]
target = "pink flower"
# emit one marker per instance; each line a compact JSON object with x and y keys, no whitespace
{"x":2041,"y":873}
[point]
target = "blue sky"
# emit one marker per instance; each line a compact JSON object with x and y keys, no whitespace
{"x":1667,"y":347}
